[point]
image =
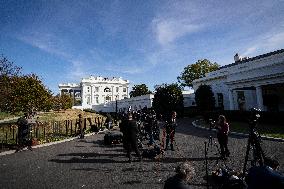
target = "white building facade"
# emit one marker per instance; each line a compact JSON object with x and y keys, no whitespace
{"x":256,"y":82}
{"x":96,"y":90}
{"x":123,"y":105}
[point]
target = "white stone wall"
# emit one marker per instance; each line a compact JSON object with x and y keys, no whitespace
{"x":136,"y":103}
{"x":249,"y":77}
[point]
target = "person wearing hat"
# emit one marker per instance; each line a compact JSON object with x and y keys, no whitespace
{"x":184,"y":173}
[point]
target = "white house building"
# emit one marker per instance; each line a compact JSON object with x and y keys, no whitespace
{"x":96,"y":90}
{"x":188,"y":98}
{"x":123,"y":105}
{"x":249,"y":82}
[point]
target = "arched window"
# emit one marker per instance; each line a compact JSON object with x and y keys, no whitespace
{"x":107,"y":89}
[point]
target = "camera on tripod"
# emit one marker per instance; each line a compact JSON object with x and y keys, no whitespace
{"x":254,"y":116}
{"x":212,"y":124}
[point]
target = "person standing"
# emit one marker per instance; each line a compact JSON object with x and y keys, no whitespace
{"x":81,"y":127}
{"x":222,"y":136}
{"x":130,"y":131}
{"x":23,"y":133}
{"x":170,"y":130}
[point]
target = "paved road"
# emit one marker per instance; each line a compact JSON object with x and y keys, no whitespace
{"x":89,"y":164}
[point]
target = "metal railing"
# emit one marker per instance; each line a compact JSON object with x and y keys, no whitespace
{"x":43,"y":132}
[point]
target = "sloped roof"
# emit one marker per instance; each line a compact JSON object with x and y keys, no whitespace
{"x":253,"y":58}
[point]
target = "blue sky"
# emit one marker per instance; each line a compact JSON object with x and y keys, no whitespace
{"x":145,"y":41}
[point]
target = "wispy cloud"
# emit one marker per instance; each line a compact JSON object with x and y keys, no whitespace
{"x":168,"y":31}
{"x":266,"y":43}
{"x":46,"y":42}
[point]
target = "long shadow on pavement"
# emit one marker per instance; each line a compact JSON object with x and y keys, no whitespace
{"x":83,"y":160}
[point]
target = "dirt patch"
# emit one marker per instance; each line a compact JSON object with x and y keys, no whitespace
{"x":62,"y":115}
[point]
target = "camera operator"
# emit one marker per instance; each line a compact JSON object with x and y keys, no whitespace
{"x":184,"y":173}
{"x":265,"y":176}
{"x":222,"y":135}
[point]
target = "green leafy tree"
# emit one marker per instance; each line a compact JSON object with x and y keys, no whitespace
{"x":66,"y":101}
{"x":63,"y":101}
{"x":196,"y":71}
{"x":204,"y":98}
{"x":139,"y":90}
{"x":168,"y":98}
{"x":28,"y":94}
{"x":7,"y":71}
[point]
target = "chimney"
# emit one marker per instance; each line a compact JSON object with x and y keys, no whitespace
{"x":237,"y":58}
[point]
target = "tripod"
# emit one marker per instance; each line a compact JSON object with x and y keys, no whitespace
{"x":254,"y":144}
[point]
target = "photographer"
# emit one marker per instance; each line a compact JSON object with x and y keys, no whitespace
{"x":222,"y":135}
{"x":265,"y":176}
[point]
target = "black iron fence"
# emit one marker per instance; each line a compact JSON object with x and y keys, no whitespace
{"x":44,"y":131}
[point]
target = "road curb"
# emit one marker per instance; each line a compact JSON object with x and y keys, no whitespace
{"x":238,"y":134}
{"x":46,"y":144}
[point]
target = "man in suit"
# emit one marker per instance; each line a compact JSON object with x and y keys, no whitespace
{"x":129,"y":129}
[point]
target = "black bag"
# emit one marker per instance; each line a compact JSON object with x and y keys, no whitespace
{"x":112,"y":138}
{"x":151,"y":153}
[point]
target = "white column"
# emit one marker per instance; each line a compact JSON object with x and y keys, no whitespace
{"x":112,"y":96}
{"x":92,"y":96}
{"x":259,"y":98}
{"x":83,"y":95}
{"x":231,"y":99}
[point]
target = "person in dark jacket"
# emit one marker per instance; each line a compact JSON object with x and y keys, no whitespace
{"x":81,"y":126}
{"x":130,"y":130}
{"x":23,"y":133}
{"x":170,"y":130}
{"x":184,"y":173}
{"x":262,"y":177}
{"x":222,"y":136}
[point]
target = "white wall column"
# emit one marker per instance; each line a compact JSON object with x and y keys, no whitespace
{"x":259,"y":98}
{"x":231,"y":99}
{"x":92,"y":96}
{"x":112,"y":96}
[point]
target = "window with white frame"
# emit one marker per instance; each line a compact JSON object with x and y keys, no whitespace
{"x":97,"y":99}
{"x":124,"y":89}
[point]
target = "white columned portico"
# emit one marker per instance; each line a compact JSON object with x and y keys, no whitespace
{"x":91,"y":94}
{"x":259,"y":98}
{"x":231,"y":99}
{"x":112,"y":96}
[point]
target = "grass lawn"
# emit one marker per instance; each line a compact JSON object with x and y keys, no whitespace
{"x":4,"y":115}
{"x":276,"y":131}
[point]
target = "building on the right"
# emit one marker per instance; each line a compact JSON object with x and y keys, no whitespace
{"x":256,"y":82}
